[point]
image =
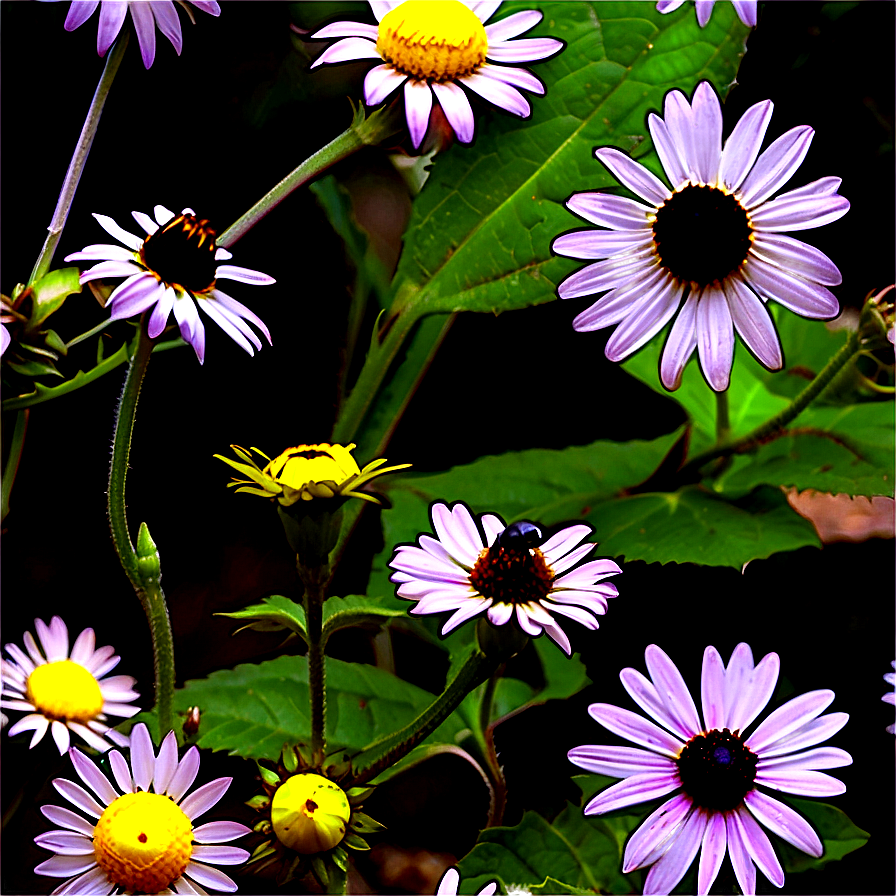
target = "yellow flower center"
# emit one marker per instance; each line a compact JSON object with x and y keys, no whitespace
{"x":143,"y":842}
{"x":65,"y":691}
{"x":309,"y":813}
{"x":298,"y":466}
{"x":435,"y":40}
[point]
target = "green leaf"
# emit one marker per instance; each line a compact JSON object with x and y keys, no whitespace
{"x":50,"y":292}
{"x":544,"y":485}
{"x":272,"y":614}
{"x":564,"y":675}
{"x":342,"y":612}
{"x":481,"y":229}
{"x":694,"y":525}
{"x":578,"y":853}
{"x":845,"y":449}
{"x":253,"y":710}
{"x":838,"y":835}
{"x":34,"y":368}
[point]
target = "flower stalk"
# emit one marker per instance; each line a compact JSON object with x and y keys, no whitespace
{"x":315,"y":583}
{"x":12,"y":460}
{"x":363,"y":131}
{"x":388,"y":750}
{"x":847,"y":353}
{"x":141,"y":565}
{"x":76,"y":166}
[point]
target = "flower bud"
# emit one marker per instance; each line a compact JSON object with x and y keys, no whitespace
{"x":309,"y":813}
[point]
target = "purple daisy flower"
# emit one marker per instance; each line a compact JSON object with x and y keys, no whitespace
{"x":451,"y":881}
{"x":169,"y":268}
{"x":746,"y":9}
{"x":503,"y":571}
{"x":711,"y":248}
{"x":161,"y":14}
{"x":66,"y":690}
{"x":713,"y":769}
{"x":138,"y":833}
{"x":434,"y":46}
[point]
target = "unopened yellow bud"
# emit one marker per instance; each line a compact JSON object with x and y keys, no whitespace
{"x":309,"y":813}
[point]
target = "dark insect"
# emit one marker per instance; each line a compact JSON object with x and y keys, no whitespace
{"x":520,"y":535}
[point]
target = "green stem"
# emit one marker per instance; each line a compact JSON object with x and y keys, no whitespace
{"x":142,"y":572}
{"x":12,"y":461}
{"x":76,"y":166}
{"x":317,"y":669}
{"x":499,"y":785}
{"x":377,"y":364}
{"x":362,"y":132}
{"x":47,"y":393}
{"x":847,"y":353}
{"x":723,"y":420}
{"x":388,"y":750}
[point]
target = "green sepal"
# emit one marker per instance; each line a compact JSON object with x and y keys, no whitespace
{"x":339,"y":858}
{"x":290,"y":759}
{"x":357,"y":795}
{"x":353,"y":841}
{"x":55,"y":342}
{"x":270,"y":777}
{"x":273,"y":614}
{"x":259,"y":802}
{"x":320,"y":870}
{"x":364,"y":824}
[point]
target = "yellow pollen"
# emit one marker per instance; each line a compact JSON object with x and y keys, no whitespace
{"x":434,"y":40}
{"x":143,"y":842}
{"x":298,"y":466}
{"x":65,"y":691}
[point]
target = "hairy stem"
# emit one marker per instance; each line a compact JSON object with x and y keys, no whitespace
{"x":76,"y":166}
{"x":144,"y":580}
{"x":499,"y":785}
{"x":317,"y":669}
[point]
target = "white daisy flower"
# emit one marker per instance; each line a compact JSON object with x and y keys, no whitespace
{"x":161,"y":14}
{"x":174,"y":267}
{"x":66,"y":690}
{"x":138,"y":835}
{"x":504,"y":572}
{"x":745,"y":9}
{"x":710,"y":248}
{"x":714,"y":773}
{"x":432,"y":47}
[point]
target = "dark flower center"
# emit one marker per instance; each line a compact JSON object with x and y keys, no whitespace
{"x":701,"y":234}
{"x":512,"y":575}
{"x":717,"y":769}
{"x":182,"y":253}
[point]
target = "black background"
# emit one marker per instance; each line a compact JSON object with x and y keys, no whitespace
{"x":216,"y":129}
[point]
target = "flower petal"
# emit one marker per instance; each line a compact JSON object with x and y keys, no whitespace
{"x":642,"y":182}
{"x":457,"y":109}
{"x":776,"y":166}
{"x":779,"y":818}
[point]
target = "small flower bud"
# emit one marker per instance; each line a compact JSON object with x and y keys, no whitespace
{"x":148,"y":562}
{"x":309,"y":813}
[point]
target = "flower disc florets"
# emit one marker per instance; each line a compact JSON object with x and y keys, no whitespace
{"x":512,"y":574}
{"x":702,"y":234}
{"x":143,"y":842}
{"x":64,"y":690}
{"x":182,"y":253}
{"x":717,"y":769}
{"x":434,"y":40}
